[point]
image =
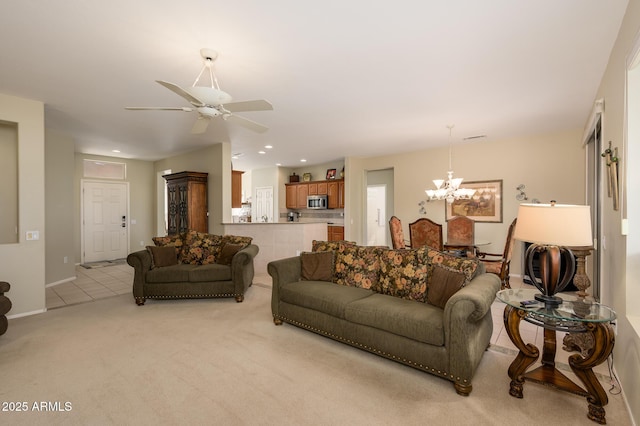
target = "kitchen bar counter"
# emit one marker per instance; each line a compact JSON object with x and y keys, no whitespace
{"x":278,"y":240}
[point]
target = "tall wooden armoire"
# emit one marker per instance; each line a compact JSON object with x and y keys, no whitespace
{"x":187,"y":202}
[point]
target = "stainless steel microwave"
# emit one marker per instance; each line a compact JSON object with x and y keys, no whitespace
{"x":317,"y":202}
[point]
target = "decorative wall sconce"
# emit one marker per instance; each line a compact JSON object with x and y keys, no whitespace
{"x":522,"y":196}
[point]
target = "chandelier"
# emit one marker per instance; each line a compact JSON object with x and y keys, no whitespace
{"x":449,"y":189}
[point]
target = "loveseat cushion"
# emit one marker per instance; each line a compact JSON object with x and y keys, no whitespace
{"x":162,"y":256}
{"x":170,"y":274}
{"x":407,"y":318}
{"x":322,"y":296}
{"x":208,"y":273}
{"x":175,"y":240}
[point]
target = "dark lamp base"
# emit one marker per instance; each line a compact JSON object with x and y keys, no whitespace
{"x":549,"y":301}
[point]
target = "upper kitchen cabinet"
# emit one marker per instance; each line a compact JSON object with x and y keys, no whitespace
{"x":236,"y":189}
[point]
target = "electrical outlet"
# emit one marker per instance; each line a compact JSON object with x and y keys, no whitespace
{"x":141,"y":243}
{"x":66,"y":259}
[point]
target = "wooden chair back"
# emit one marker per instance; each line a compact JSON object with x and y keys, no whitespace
{"x":461,"y":231}
{"x":425,"y":232}
{"x":397,"y":235}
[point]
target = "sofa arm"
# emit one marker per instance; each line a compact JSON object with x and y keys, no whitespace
{"x":141,"y":262}
{"x":242,"y":270}
{"x":282,"y":271}
{"x":468,"y":324}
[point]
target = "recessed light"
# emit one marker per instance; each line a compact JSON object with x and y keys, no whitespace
{"x":303,"y":160}
{"x":261,"y":152}
{"x":268,"y":146}
{"x":115,"y":150}
{"x":278,"y":164}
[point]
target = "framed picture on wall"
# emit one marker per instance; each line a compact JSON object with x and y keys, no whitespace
{"x":484,"y":206}
{"x":331,"y":174}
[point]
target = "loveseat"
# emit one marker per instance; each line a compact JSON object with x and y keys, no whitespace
{"x":420,"y":307}
{"x":193,"y":265}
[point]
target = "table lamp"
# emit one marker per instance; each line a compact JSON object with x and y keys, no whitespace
{"x":551,"y":228}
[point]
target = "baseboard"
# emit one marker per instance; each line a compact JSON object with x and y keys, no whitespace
{"x":66,"y":280}
{"x":26,"y":314}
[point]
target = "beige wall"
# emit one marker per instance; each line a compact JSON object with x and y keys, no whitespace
{"x":215,"y":160}
{"x":59,"y":208}
{"x":23,"y":264}
{"x":550,"y":166}
{"x":617,"y":284}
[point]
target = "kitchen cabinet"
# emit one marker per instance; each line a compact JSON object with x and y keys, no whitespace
{"x":335,"y":233}
{"x":302,"y":191}
{"x":236,"y":189}
{"x":333,"y":199}
{"x":187,"y":202}
{"x":296,"y":193}
{"x":292,"y":196}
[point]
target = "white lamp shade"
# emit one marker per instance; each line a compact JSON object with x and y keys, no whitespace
{"x":559,"y":224}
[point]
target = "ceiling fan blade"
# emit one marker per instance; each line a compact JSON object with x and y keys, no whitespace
{"x":185,"y":109}
{"x":201,"y":124}
{"x":256,"y":105}
{"x":180,"y":91}
{"x":245,"y":122}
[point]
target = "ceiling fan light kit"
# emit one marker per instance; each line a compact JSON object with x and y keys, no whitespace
{"x":210,"y":101}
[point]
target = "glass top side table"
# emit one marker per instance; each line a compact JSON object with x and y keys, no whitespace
{"x":579,"y":317}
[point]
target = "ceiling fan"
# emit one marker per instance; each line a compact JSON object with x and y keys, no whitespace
{"x":211,"y":102}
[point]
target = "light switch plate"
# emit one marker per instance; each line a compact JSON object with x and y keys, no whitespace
{"x":33,"y":235}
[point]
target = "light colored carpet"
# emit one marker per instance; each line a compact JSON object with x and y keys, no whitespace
{"x":220,"y":362}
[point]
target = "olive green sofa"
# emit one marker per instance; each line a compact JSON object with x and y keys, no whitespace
{"x":378,"y":300}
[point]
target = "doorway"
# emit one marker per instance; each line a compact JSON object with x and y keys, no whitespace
{"x":264,"y":204}
{"x":105,"y":228}
{"x":379,"y":207}
{"x":376,"y":214}
{"x":594,"y":199}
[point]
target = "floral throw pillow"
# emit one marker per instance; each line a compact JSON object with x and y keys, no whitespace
{"x":335,"y":246}
{"x":199,"y":248}
{"x":403,"y":273}
{"x":176,"y":240}
{"x":468,"y":267}
{"x":357,"y":266}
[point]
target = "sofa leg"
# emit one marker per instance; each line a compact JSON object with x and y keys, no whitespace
{"x":277,"y":321}
{"x":140,"y":301}
{"x":462,"y":389}
{"x":239,"y":298}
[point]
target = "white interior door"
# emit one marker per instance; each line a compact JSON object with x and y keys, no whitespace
{"x":105,"y":221}
{"x":264,"y":204}
{"x":376,"y":215}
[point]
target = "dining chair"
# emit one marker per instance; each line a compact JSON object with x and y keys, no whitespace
{"x":425,"y":232}
{"x":499,"y":263}
{"x":397,"y":235}
{"x":461,"y":235}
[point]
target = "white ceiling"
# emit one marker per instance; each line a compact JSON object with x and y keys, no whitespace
{"x":346,"y":77}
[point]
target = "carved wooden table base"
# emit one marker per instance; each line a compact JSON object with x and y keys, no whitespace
{"x":603,"y":339}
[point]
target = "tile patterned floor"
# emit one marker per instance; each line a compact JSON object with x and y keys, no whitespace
{"x":90,"y":285}
{"x":94,"y":284}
